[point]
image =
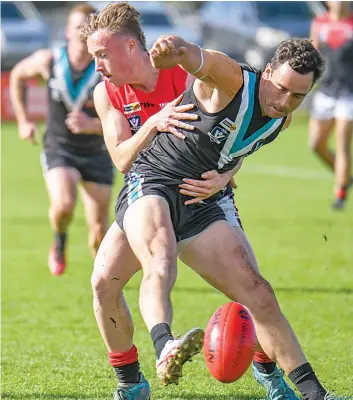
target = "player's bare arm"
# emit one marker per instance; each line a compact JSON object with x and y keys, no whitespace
{"x":219,"y":77}
{"x":37,"y":64}
{"x":125,"y":147}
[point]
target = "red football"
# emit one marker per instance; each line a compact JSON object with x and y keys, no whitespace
{"x":229,"y":342}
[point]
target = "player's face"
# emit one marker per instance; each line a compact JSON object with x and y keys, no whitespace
{"x":114,"y":55}
{"x":74,"y":26}
{"x":284,"y":90}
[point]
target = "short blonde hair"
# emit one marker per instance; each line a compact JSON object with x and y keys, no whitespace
{"x":116,"y":18}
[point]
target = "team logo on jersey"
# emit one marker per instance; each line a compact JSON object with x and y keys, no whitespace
{"x":220,"y":132}
{"x":135,"y":122}
{"x":132,"y":107}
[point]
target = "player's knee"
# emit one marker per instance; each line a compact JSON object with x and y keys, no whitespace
{"x":317,"y":145}
{"x":64,"y":209}
{"x":103,"y":289}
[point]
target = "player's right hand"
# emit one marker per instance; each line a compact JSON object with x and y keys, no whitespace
{"x":27,"y":130}
{"x":167,"y":51}
{"x":171,"y":117}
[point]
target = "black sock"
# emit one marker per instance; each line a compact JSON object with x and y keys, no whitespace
{"x":160,"y":335}
{"x":265,"y":368}
{"x":60,"y":240}
{"x":129,"y":373}
{"x":305,"y":380}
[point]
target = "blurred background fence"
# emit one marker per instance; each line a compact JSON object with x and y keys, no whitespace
{"x":246,"y":31}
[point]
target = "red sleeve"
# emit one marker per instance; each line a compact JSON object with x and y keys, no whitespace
{"x":179,"y":80}
{"x":113,"y":97}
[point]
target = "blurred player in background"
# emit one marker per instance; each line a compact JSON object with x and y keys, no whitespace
{"x":74,"y":149}
{"x":332,"y":34}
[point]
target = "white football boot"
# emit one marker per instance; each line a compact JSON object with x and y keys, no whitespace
{"x":175,"y":353}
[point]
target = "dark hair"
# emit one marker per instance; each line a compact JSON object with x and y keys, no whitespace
{"x":301,"y":56}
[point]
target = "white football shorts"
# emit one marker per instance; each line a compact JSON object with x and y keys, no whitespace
{"x":326,"y":107}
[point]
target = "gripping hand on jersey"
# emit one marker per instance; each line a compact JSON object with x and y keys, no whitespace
{"x":167,"y":52}
{"x":211,"y":183}
{"x":169,"y":119}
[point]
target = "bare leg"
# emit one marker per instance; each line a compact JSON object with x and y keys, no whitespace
{"x":114,"y":265}
{"x":319,"y":131}
{"x":236,"y":277}
{"x":343,"y":162}
{"x":61,"y":184}
{"x":96,"y":200}
{"x":150,"y":233}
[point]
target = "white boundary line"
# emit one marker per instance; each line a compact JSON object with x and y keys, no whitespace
{"x":288,"y":172}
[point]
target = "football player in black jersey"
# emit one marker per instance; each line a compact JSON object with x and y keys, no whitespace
{"x":74,"y":151}
{"x":154,"y":217}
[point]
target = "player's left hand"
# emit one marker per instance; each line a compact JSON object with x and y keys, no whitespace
{"x":78,"y":122}
{"x":211,"y":183}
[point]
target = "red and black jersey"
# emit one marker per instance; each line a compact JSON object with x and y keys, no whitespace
{"x":336,"y":46}
{"x":138,"y":106}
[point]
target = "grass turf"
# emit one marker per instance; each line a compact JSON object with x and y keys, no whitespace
{"x":51,"y":348}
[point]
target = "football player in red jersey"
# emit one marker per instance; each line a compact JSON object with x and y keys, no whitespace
{"x":332,"y":34}
{"x":130,"y":103}
{"x":135,"y":102}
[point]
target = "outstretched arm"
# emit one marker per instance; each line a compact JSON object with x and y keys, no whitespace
{"x":210,"y":66}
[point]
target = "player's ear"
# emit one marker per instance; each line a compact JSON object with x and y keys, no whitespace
{"x":131,"y":44}
{"x":267,"y":72}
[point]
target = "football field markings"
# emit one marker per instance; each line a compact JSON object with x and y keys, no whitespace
{"x":288,"y":172}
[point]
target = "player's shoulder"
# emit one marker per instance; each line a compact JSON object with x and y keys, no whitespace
{"x":248,"y":68}
{"x":43,"y":55}
{"x":253,"y":75}
{"x":109,"y":88}
{"x":101,"y":92}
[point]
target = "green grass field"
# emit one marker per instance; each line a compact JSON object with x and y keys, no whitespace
{"x":51,"y":347}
